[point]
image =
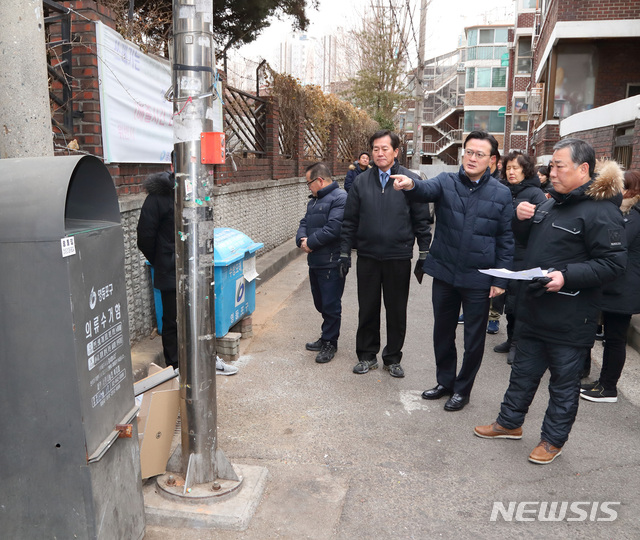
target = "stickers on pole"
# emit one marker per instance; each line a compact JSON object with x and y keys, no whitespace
{"x":68,"y":245}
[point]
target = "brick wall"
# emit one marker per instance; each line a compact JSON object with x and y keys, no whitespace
{"x":618,"y":64}
{"x":601,"y":139}
{"x":480,"y":97}
{"x":635,"y":157}
{"x":545,"y":138}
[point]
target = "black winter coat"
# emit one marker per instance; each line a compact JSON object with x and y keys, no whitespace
{"x":582,"y":234}
{"x":354,"y":170}
{"x":623,"y":294}
{"x":381,"y":223}
{"x":156,"y":229}
{"x":473,"y":228}
{"x":321,"y":226}
{"x":526,"y":191}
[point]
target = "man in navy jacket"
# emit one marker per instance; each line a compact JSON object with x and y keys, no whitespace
{"x":473,"y":231}
{"x":319,"y":237}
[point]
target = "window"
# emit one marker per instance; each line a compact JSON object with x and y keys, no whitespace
{"x":471,"y":77}
{"x":483,"y":120}
{"x":520,"y":115}
{"x":472,"y":37}
{"x":528,"y":4}
{"x":575,"y":80}
{"x":633,"y":89}
{"x":524,"y":56}
{"x":487,"y":77}
{"x":486,"y":35}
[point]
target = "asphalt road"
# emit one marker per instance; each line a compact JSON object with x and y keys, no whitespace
{"x":363,"y":456}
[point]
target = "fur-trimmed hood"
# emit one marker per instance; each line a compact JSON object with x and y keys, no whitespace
{"x":160,"y":184}
{"x":628,"y":204}
{"x":608,"y":181}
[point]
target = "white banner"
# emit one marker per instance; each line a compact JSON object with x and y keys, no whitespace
{"x":137,"y":125}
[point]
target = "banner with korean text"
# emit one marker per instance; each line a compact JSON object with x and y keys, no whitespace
{"x":136,"y":118}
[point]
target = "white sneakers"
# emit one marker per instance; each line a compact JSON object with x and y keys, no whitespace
{"x":222,"y":368}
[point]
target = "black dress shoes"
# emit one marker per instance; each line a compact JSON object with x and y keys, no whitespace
{"x":436,"y":392}
{"x":456,"y":402}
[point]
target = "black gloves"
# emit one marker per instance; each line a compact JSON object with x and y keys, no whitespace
{"x":418,"y":271}
{"x":344,"y":263}
{"x":537,"y":286}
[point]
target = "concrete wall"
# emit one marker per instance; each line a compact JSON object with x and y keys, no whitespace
{"x":267,"y":211}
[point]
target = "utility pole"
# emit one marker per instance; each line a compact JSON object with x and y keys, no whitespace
{"x":419,"y":90}
{"x":193,"y":80}
{"x":25,"y":113}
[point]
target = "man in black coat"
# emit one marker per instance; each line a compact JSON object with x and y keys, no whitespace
{"x":356,"y":168}
{"x":383,"y":226}
{"x":319,"y":237}
{"x":156,"y":240}
{"x":473,"y":232}
{"x":578,"y":235}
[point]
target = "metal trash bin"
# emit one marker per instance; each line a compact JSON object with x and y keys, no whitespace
{"x":234,"y":275}
{"x":65,"y":355}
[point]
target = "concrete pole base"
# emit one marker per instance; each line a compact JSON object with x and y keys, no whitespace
{"x":165,"y":506}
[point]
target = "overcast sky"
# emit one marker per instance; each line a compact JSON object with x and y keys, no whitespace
{"x":445,"y":21}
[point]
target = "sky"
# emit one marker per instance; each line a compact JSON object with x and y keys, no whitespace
{"x":446,"y":19}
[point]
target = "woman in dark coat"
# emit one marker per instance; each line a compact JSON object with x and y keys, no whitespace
{"x":620,"y":299}
{"x":521,"y":179}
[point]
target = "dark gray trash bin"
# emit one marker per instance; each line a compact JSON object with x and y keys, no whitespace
{"x":64,"y":350}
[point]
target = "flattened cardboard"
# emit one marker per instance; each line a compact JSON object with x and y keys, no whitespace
{"x":156,"y":426}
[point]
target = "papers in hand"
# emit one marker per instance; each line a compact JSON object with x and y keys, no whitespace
{"x":524,"y":275}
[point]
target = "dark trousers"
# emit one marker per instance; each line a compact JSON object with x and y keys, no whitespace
{"x":391,"y":280}
{"x":326,"y":288}
{"x":170,"y":328}
{"x":616,"y":326}
{"x":533,"y":358}
{"x":446,"y":307}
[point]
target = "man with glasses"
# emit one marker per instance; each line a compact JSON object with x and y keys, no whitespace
{"x":473,"y":216}
{"x":383,"y":226}
{"x":319,"y":237}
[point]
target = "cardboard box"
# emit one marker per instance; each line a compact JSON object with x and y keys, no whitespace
{"x":157,"y":423}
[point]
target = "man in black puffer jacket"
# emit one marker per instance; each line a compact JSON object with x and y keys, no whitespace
{"x":156,"y":240}
{"x":473,"y":232}
{"x":578,"y":235}
{"x":319,"y":236}
{"x":383,"y":226}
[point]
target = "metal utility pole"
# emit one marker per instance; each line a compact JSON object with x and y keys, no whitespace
{"x":193,"y":79}
{"x":25,"y":114}
{"x":419,"y":90}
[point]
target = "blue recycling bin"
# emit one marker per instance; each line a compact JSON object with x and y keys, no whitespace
{"x":234,"y":259}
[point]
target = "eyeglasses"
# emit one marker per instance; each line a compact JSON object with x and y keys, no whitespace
{"x":312,"y":181}
{"x":479,"y":155}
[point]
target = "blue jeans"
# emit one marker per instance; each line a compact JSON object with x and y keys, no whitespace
{"x":326,"y":288}
{"x":533,"y":358}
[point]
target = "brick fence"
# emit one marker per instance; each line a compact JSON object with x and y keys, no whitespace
{"x":264,"y":198}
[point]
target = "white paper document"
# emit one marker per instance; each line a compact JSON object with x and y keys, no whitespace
{"x":250,"y":272}
{"x":524,"y":275}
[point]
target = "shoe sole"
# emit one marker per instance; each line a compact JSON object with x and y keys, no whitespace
{"x":225,"y":372}
{"x":599,"y":399}
{"x":324,"y":360}
{"x":505,"y":436}
{"x":375,"y":366}
{"x":433,"y":398}
{"x":454,"y":409}
{"x":314,"y":349}
{"x":539,"y":462}
{"x":492,"y":332}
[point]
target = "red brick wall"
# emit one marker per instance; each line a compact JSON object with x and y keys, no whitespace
{"x":480,"y":97}
{"x":545,"y":138}
{"x":618,"y":64}
{"x":635,"y":156}
{"x":594,"y":10}
{"x":601,"y":139}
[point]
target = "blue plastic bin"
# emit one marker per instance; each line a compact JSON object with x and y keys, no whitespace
{"x":233,"y":258}
{"x":157,"y":300}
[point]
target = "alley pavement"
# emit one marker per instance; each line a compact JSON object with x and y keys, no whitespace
{"x":365,"y":457}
